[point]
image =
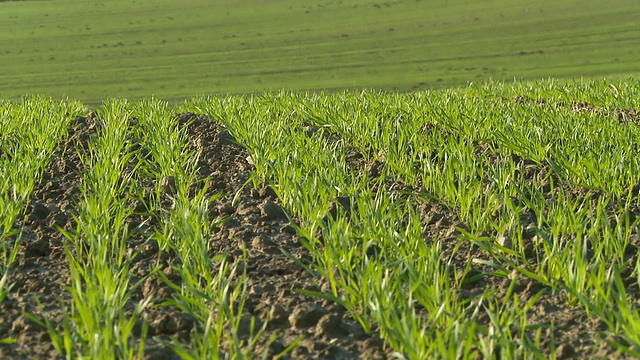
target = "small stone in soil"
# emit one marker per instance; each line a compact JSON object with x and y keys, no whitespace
{"x":271,"y":210}
{"x":505,"y":241}
{"x":310,"y":130}
{"x":345,"y":201}
{"x":59,"y":219}
{"x":226,"y":138}
{"x":40,"y":211}
{"x":328,"y":326}
{"x":267,"y":191}
{"x":336,"y":352}
{"x":275,"y":348}
{"x":564,"y":351}
{"x":262,"y":243}
{"x":277,"y":315}
{"x":300,"y":352}
{"x":227,"y":209}
{"x":342,"y":201}
{"x":169,"y":185}
{"x":245,"y":325}
{"x":288,"y":229}
{"x":256,"y":290}
{"x":39,"y":247}
{"x":305,"y":315}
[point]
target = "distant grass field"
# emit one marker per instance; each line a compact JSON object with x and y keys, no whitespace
{"x":91,"y":50}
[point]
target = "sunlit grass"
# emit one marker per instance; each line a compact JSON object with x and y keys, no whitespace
{"x":464,"y":148}
{"x":540,"y":179}
{"x":30,"y":130}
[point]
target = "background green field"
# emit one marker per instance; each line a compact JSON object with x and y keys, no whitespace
{"x":91,"y":50}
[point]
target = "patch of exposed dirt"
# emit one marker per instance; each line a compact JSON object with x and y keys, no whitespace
{"x":622,"y":115}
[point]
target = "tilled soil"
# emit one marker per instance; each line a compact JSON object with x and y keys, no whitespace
{"x":256,"y":221}
{"x":566,"y":327}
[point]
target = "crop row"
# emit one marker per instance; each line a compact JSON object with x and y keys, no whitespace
{"x":138,"y":188}
{"x":542,"y":177}
{"x":29,"y":133}
{"x":442,"y":220}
